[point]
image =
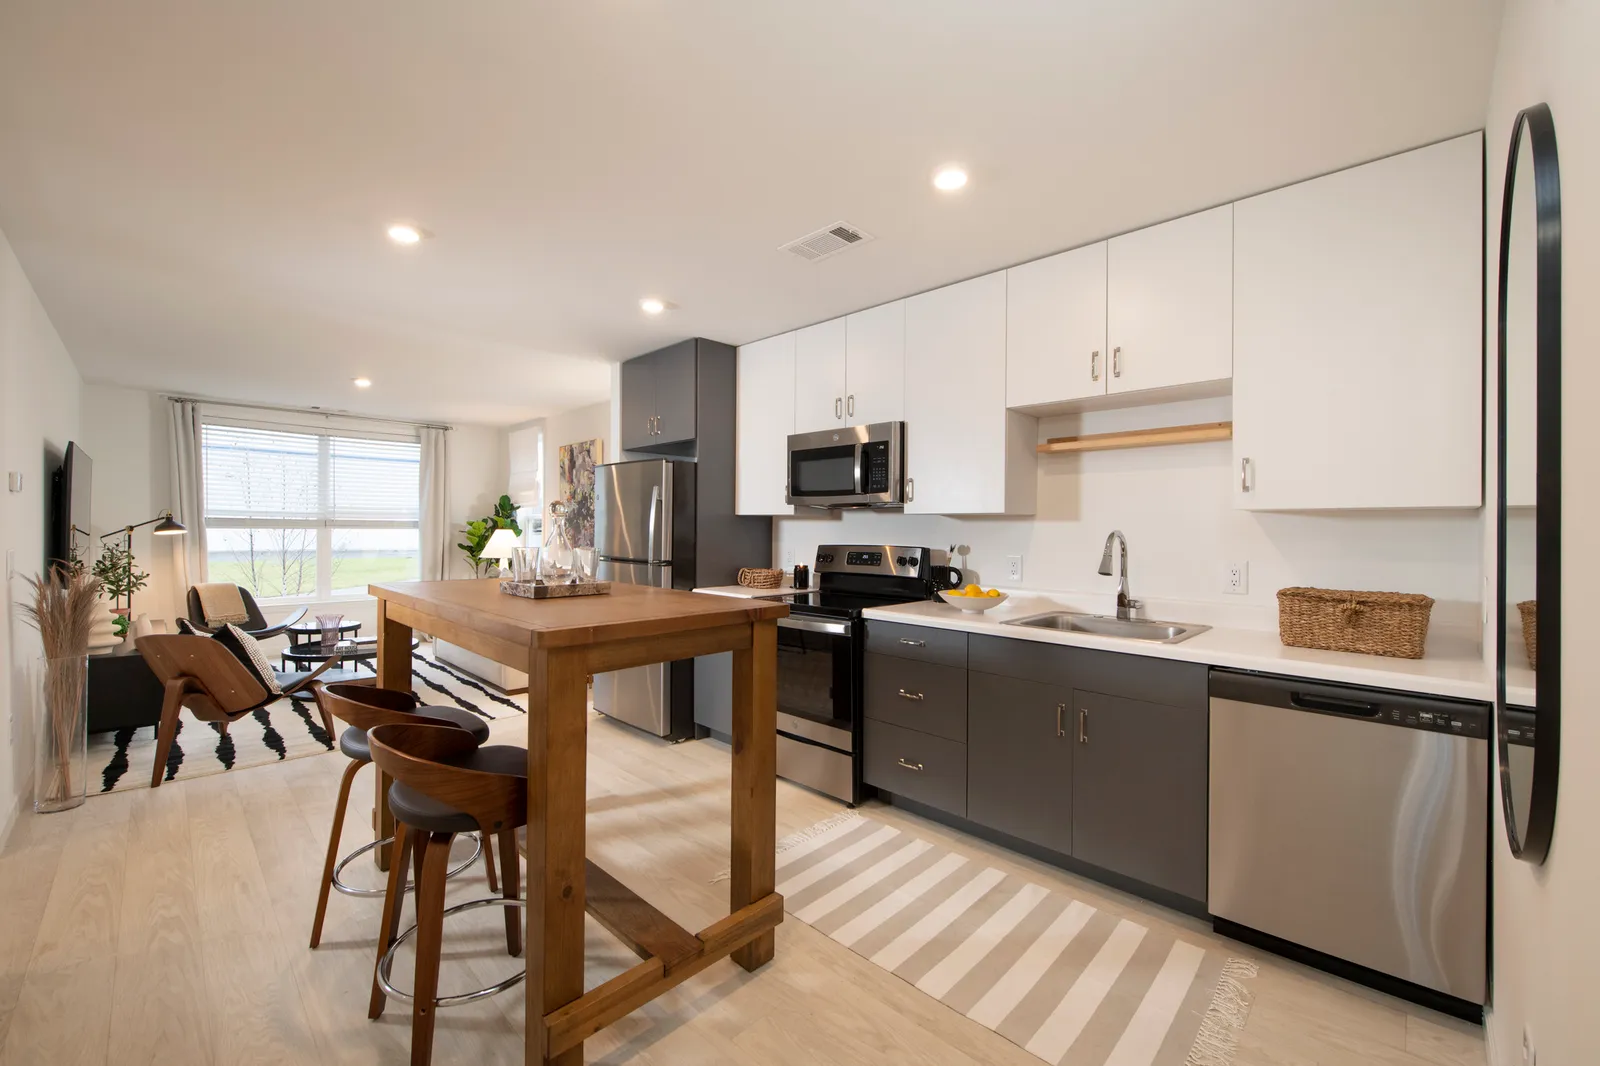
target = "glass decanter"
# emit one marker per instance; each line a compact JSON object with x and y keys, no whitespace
{"x":556,"y":559}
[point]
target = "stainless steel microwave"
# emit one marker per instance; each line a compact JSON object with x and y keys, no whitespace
{"x":855,"y":466}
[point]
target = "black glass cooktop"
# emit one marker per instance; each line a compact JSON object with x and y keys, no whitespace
{"x":830,"y":604}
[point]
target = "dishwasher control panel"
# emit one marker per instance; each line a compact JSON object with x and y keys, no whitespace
{"x":1377,"y":706}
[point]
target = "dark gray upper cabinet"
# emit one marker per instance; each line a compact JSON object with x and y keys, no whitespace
{"x":1019,"y":759}
{"x":637,"y":404}
{"x":1139,"y":790}
{"x":658,"y":406}
{"x":675,"y":371}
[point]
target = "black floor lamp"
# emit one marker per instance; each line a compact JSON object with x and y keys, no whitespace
{"x":166,"y":526}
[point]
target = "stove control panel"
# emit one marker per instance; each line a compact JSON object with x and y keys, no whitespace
{"x":888,"y":560}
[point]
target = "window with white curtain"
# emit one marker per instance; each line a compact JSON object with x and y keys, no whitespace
{"x":298,"y":514}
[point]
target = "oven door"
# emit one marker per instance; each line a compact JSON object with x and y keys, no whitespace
{"x":816,"y":681}
{"x":860,"y":466}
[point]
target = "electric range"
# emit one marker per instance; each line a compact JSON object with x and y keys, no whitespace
{"x":821,"y":659}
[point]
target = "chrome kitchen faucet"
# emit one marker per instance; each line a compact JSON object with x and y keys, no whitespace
{"x":1127,"y":606}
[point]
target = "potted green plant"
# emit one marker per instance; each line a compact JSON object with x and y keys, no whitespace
{"x":120,"y":579}
{"x":479,"y":530}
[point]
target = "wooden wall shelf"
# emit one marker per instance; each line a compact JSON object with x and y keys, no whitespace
{"x":1139,"y":438}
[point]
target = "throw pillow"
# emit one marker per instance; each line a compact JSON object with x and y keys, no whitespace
{"x":248,"y":651}
{"x":187,"y":628}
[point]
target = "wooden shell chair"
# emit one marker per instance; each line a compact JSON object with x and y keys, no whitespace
{"x":202,"y":675}
{"x":364,"y":706}
{"x":444,"y":784}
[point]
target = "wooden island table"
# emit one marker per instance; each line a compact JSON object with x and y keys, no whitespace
{"x":560,"y":643}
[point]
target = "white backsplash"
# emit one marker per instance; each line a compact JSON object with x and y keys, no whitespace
{"x":1175,"y":506}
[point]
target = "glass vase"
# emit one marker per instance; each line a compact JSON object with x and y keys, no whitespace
{"x":61,"y":769}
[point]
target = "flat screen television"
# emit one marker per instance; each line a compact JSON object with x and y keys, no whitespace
{"x":69,"y":499}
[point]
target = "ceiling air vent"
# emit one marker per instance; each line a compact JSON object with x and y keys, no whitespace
{"x":827,"y":242}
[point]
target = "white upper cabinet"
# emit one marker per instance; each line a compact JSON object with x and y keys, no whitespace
{"x":819,"y":385}
{"x":1056,"y":328}
{"x":875,"y":365}
{"x":766,"y":387}
{"x":1358,"y":342}
{"x":965,"y":453}
{"x":1169,"y":303}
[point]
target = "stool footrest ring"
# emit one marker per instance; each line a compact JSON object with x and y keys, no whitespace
{"x":351,"y":890}
{"x":386,"y":964}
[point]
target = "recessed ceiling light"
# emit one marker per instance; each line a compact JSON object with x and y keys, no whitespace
{"x":361,"y":383}
{"x":404,"y":233}
{"x":949,"y":177}
{"x":650,"y":305}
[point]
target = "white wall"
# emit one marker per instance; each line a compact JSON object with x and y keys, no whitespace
{"x":1546,"y":926}
{"x":1175,"y":506}
{"x":39,"y":387}
{"x":126,"y":433}
{"x":479,"y":473}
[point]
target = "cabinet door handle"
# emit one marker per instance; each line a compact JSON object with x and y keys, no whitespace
{"x":909,"y":765}
{"x":911,"y":489}
{"x":850,"y":405}
{"x":1116,"y":362}
{"x":1083,"y":725}
{"x":914,"y":643}
{"x":838,"y":407}
{"x":1061,"y":710}
{"x":1244,"y":474}
{"x":911,"y":695}
{"x":1094,"y":366}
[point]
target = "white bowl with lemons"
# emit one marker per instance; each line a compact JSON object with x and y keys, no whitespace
{"x":973,"y":599}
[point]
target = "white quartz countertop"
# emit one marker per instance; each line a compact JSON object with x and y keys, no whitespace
{"x":1453,"y":665}
{"x":743,"y":592}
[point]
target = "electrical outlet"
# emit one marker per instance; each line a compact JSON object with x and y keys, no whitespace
{"x":788,"y":558}
{"x":1236,"y":578}
{"x":1014,"y":568}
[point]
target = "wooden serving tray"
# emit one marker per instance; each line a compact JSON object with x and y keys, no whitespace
{"x":529,"y":591}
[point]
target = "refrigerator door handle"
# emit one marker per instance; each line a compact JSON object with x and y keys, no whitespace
{"x":650,"y":530}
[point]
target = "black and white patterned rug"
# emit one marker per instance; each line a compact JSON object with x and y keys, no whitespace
{"x":287,"y":729}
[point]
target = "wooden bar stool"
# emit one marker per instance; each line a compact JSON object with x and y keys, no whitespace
{"x":444,"y":785}
{"x":363,"y":706}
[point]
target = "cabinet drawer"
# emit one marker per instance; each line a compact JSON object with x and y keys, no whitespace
{"x":947,"y":647}
{"x":920,"y":767}
{"x":927,"y":697}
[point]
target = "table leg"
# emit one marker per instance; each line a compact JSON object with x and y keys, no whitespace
{"x":755,"y":782}
{"x":394,"y":671}
{"x":557,"y":785}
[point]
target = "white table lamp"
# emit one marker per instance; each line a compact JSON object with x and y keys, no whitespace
{"x":503,"y":545}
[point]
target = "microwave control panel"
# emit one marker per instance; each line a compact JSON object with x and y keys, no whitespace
{"x":875,"y":466}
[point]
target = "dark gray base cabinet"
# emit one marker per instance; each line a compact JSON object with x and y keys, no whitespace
{"x":1097,"y":756}
{"x":1019,"y":759}
{"x":1139,"y":791}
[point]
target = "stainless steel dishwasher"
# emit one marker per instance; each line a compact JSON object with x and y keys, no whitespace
{"x":1353,"y":822}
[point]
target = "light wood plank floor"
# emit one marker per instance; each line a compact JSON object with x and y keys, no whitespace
{"x":170,"y":926}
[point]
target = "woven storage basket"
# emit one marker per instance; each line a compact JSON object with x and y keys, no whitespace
{"x":1372,"y":623}
{"x":753,"y":577}
{"x":1529,"y":609}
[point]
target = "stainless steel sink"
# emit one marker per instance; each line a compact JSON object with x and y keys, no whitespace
{"x":1106,"y":626}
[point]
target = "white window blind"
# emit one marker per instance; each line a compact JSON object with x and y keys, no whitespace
{"x":292,"y":513}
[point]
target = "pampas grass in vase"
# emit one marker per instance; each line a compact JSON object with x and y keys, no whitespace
{"x":63,"y":610}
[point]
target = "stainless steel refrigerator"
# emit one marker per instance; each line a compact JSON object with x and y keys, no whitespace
{"x":644,"y":534}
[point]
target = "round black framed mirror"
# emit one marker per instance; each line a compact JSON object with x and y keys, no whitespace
{"x":1528,"y":501}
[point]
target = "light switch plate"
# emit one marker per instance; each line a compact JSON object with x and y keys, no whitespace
{"x":14,"y":480}
{"x":11,"y":563}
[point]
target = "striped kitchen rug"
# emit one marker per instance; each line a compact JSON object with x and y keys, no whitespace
{"x":1069,"y":983}
{"x":288,"y":729}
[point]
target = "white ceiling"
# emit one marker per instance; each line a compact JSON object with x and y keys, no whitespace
{"x":199,"y":190}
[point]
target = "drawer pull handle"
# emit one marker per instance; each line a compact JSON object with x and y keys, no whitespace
{"x":1061,"y":709}
{"x":914,"y":643}
{"x":909,"y":765}
{"x":1083,"y":725}
{"x":910,"y":695}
